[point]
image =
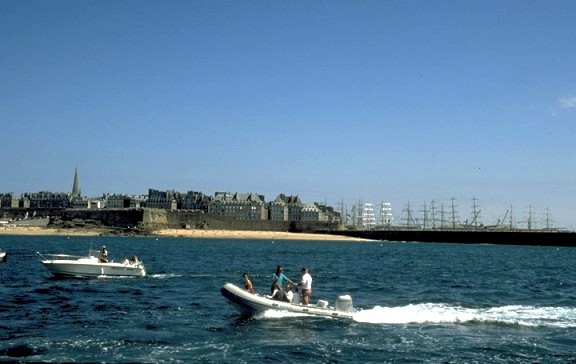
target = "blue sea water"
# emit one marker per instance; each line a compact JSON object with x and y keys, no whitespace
{"x":413,"y":303}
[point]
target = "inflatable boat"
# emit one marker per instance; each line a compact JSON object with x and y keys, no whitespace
{"x":249,"y":304}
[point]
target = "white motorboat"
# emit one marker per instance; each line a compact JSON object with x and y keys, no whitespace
{"x":3,"y":256}
{"x":249,"y":304}
{"x":90,"y":266}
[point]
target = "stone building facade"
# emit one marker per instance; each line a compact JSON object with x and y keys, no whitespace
{"x":9,"y":200}
{"x":286,"y":208}
{"x":47,"y":200}
{"x":119,"y":201}
{"x":196,"y":201}
{"x":169,"y":200}
{"x":238,"y":206}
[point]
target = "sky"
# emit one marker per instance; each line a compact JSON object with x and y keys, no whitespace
{"x":338,"y":102}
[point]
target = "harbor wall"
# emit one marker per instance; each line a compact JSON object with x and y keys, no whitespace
{"x":119,"y":218}
{"x":525,"y":237}
{"x":152,"y":219}
{"x":159,"y":218}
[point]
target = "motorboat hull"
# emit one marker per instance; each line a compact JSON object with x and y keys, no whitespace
{"x":3,"y":257}
{"x":92,"y":267}
{"x":249,"y":304}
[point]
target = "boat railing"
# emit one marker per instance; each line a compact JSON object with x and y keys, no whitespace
{"x":48,"y":256}
{"x":93,"y":253}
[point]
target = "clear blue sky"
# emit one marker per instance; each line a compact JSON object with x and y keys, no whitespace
{"x":398,"y":101}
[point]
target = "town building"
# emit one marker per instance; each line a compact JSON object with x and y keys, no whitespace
{"x":46,"y":200}
{"x":9,"y":200}
{"x":120,"y":201}
{"x":286,"y":208}
{"x":196,"y":201}
{"x":169,"y":200}
{"x":238,"y":206}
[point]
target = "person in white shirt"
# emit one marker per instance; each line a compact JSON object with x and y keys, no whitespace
{"x":306,"y":286}
{"x":289,"y":293}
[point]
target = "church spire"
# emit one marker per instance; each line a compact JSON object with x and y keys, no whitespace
{"x":76,"y":187}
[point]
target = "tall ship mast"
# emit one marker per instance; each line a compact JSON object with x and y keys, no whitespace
{"x":386,"y":218}
{"x":368,"y":217}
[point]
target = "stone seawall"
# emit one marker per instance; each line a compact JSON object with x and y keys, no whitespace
{"x":152,"y":219}
{"x":119,"y":218}
{"x":158,"y":218}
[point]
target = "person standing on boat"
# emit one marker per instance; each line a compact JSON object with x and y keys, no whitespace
{"x":306,"y":286}
{"x":248,"y":286}
{"x":103,"y":255}
{"x":278,"y":279}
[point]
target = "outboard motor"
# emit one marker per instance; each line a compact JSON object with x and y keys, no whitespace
{"x":343,"y":303}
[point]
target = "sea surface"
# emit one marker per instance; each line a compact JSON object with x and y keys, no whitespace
{"x":414,"y":303}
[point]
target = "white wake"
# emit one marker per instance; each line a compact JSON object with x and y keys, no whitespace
{"x":442,"y":313}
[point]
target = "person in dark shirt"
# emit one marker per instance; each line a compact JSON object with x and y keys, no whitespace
{"x":103,"y":255}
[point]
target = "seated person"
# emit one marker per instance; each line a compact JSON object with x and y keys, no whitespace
{"x":289,"y":293}
{"x":278,"y":278}
{"x":279,"y":294}
{"x":248,"y":286}
{"x":103,"y":255}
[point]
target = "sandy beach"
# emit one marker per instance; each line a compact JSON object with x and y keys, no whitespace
{"x":180,"y":233}
{"x":241,"y":234}
{"x":36,"y":230}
